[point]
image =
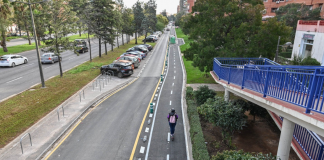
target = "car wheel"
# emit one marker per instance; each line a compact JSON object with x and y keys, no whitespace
{"x":13,"y":65}
{"x":25,"y":61}
{"x":119,"y":75}
{"x":103,"y":72}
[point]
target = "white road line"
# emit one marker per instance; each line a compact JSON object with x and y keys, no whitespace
{"x":142,"y":149}
{"x":168,"y":136}
{"x":14,"y":80}
{"x":147,"y":129}
{"x":171,"y":92}
{"x":170,"y":103}
{"x":174,"y":71}
{"x":151,"y":115}
{"x":167,"y":157}
{"x":174,"y":77}
{"x":172,"y":84}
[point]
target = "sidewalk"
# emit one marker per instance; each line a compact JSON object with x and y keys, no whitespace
{"x":50,"y":128}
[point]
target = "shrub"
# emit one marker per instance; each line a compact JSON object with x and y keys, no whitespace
{"x":202,"y":94}
{"x":240,"y":155}
{"x":309,"y":61}
{"x":190,"y":93}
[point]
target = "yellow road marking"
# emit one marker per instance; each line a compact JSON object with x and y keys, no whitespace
{"x":140,"y":129}
{"x":85,"y":117}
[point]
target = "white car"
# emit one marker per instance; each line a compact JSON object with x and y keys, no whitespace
{"x":12,"y":60}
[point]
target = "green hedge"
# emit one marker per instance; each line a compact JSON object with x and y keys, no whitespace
{"x":199,"y":149}
{"x":285,"y":54}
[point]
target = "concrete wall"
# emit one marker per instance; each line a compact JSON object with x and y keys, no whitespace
{"x":318,"y":45}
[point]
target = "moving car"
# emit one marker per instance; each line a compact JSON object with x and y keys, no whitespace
{"x":80,"y":42}
{"x":12,"y":60}
{"x":50,"y":58}
{"x":82,"y":48}
{"x":120,"y":69}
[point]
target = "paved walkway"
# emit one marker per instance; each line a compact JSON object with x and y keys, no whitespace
{"x":215,"y":87}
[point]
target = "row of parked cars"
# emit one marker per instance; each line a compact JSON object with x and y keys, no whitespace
{"x":127,"y":62}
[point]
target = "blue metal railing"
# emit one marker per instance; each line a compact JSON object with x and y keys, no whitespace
{"x":299,"y":85}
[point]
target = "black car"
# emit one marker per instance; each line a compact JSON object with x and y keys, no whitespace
{"x":137,"y":48}
{"x":149,"y":47}
{"x":149,"y":39}
{"x":82,"y":48}
{"x":119,"y":69}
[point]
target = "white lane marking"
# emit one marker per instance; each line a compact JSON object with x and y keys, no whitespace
{"x":174,"y":77}
{"x":172,"y":84}
{"x":174,"y":66}
{"x":14,"y":80}
{"x":167,"y":157}
{"x":174,"y":71}
{"x":171,"y":92}
{"x":142,"y":149}
{"x":147,"y":129}
{"x":151,"y":115}
{"x":170,"y":103}
{"x":168,"y":136}
{"x":156,"y":94}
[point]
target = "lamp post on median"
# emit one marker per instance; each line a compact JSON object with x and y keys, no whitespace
{"x":35,"y":37}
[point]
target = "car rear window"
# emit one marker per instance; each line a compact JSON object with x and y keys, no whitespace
{"x":126,"y":67}
{"x":3,"y":58}
{"x":46,"y":55}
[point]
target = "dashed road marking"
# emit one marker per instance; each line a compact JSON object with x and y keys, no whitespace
{"x":174,"y":77}
{"x":151,"y":115}
{"x":14,"y":80}
{"x":172,"y":84}
{"x":147,"y":129}
{"x":167,"y":157}
{"x":142,"y":149}
{"x":171,"y":92}
{"x":168,"y":136}
{"x":170,"y":103}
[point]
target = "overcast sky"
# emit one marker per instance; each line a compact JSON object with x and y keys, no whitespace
{"x":169,"y":5}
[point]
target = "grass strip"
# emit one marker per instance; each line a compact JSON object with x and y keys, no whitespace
{"x":194,"y":75}
{"x":22,"y":111}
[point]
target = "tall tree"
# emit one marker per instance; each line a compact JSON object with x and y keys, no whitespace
{"x":138,"y":18}
{"x":291,"y":13}
{"x":164,"y":13}
{"x":61,"y":22}
{"x":5,"y":13}
{"x":128,"y":27}
{"x":150,"y":14}
{"x":22,"y":18}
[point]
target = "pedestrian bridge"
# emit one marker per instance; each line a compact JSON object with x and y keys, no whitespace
{"x":293,"y":93}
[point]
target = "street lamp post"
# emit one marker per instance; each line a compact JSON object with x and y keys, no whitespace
{"x":35,"y":37}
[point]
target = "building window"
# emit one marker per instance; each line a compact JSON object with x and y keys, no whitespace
{"x":273,"y":10}
{"x":265,"y":0}
{"x":274,"y":0}
{"x":320,"y":6}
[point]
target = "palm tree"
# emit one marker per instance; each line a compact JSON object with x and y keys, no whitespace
{"x":4,"y":22}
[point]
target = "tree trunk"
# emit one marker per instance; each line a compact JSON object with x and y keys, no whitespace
{"x":80,"y":31}
{"x":135,"y":37}
{"x":106,"y":48}
{"x":89,"y":46}
{"x":3,"y":42}
{"x":28,"y":37}
{"x":99,"y":47}
{"x":19,"y":28}
{"x":117,"y":40}
{"x":58,"y":53}
{"x":112,"y":46}
{"x":123,"y":38}
{"x":145,"y":38}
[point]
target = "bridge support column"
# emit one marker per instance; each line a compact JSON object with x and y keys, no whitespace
{"x":226,"y":95}
{"x":286,"y":136}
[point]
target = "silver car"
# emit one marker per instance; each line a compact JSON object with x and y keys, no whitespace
{"x":50,"y":58}
{"x":133,"y":59}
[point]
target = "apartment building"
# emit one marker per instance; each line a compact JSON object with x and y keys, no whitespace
{"x":272,"y":5}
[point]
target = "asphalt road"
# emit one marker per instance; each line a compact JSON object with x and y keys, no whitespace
{"x":109,"y":130}
{"x":22,"y":77}
{"x":159,"y":146}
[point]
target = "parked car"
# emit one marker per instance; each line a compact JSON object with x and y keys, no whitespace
{"x":126,"y":61}
{"x":50,"y":58}
{"x":82,"y":48}
{"x":120,"y":69}
{"x":135,"y":48}
{"x":149,"y":47}
{"x":12,"y":60}
{"x":143,"y":55}
{"x":138,"y":56}
{"x":134,"y":60}
{"x":149,"y":39}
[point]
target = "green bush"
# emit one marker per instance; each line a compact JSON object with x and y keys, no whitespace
{"x":309,"y":61}
{"x":190,"y":93}
{"x":285,"y":54}
{"x":240,"y":155}
{"x":199,"y":149}
{"x":202,"y":94}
